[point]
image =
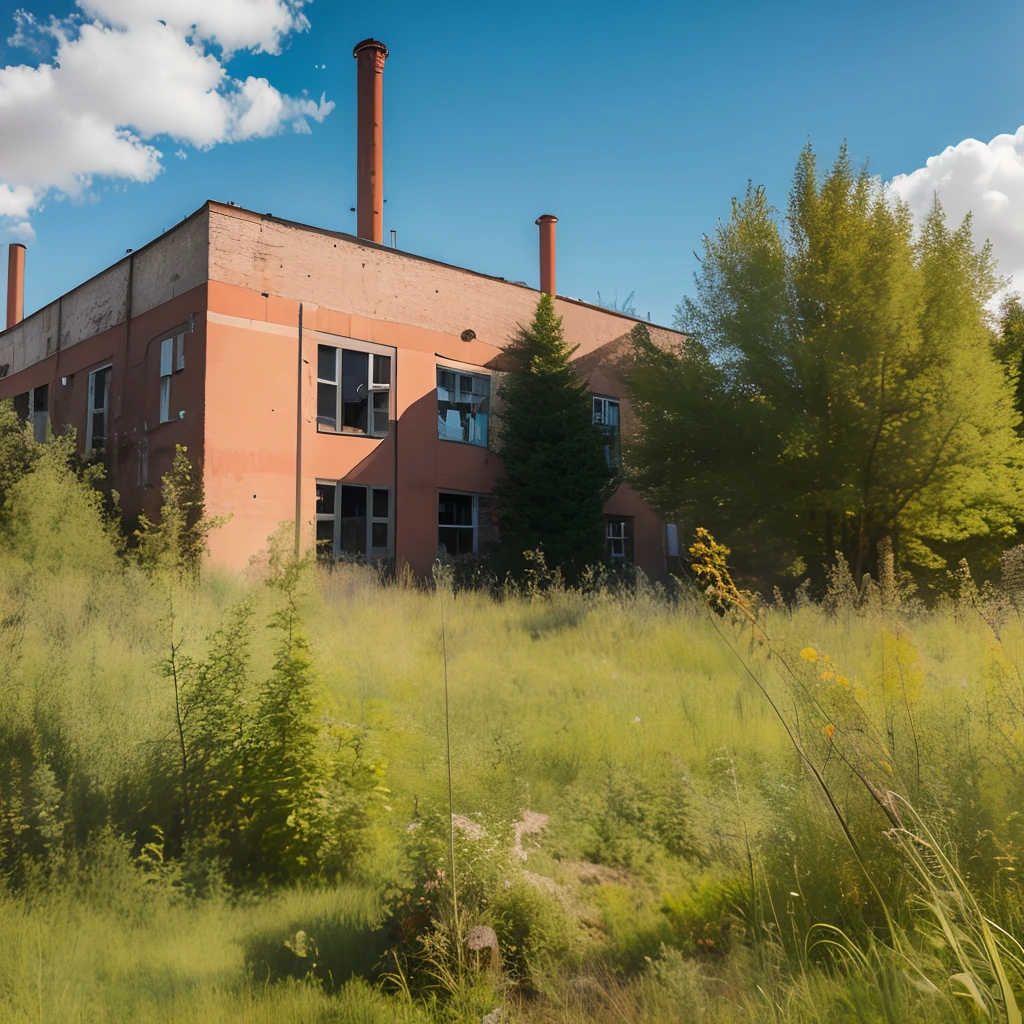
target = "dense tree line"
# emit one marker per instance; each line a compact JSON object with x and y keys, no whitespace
{"x":843,"y":386}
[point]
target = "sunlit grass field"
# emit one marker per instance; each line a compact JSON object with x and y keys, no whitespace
{"x":718,"y":845}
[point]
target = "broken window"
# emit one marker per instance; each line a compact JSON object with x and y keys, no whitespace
{"x":33,"y":407}
{"x":618,"y":533}
{"x":352,"y":521}
{"x":172,"y":359}
{"x":98,"y":408}
{"x":464,"y":524}
{"x":353,"y":391}
{"x":463,"y":406}
{"x":606,"y":416}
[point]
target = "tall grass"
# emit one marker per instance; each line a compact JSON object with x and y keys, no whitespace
{"x":850,"y":854}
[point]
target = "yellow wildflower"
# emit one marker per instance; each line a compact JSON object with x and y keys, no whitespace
{"x":828,"y":675}
{"x":843,"y":681}
{"x":830,"y":730}
{"x":809,"y":654}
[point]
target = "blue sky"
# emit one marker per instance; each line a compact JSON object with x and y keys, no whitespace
{"x":635,"y":125}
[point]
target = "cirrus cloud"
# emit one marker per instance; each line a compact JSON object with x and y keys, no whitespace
{"x":118,"y":76}
{"x":984,"y":179}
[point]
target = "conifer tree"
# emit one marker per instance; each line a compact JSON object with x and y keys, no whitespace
{"x":556,"y":478}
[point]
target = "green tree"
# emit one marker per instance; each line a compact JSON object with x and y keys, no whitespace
{"x":176,"y":545}
{"x":1010,"y":344}
{"x":839,"y":387}
{"x":556,"y":479}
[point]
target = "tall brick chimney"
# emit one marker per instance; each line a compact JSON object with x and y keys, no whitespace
{"x":370,"y":54}
{"x":15,"y":284}
{"x":547,"y":222}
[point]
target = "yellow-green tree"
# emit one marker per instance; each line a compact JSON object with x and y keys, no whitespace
{"x":840,"y":385}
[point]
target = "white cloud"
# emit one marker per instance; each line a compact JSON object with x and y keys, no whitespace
{"x":124,"y":74}
{"x":987,"y":180}
{"x":21,"y":231}
{"x":260,"y":25}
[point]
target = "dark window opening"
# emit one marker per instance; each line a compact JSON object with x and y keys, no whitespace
{"x":40,"y":411}
{"x":353,"y":520}
{"x":99,"y":401}
{"x":463,"y":524}
{"x":354,"y":391}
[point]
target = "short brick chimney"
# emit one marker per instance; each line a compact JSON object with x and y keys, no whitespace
{"x":547,"y":223}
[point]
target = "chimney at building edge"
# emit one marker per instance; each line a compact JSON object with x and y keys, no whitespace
{"x":547,"y":222}
{"x":15,"y":284}
{"x":370,"y":55}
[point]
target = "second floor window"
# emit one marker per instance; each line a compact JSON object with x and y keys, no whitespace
{"x":353,"y":391}
{"x":99,"y":406}
{"x":606,"y":416}
{"x":172,"y":359}
{"x":463,"y":406}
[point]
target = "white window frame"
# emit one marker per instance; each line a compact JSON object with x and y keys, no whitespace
{"x":460,"y":372}
{"x":369,"y":552}
{"x":625,"y":537}
{"x":92,"y":410}
{"x":374,"y":388}
{"x":172,"y":360}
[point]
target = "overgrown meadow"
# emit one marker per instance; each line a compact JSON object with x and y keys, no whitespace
{"x":227,"y":799}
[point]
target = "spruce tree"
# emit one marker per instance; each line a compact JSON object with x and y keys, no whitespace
{"x":556,"y":478}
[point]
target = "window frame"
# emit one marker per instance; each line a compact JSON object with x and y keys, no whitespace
{"x":374,"y":387}
{"x":613,"y":447}
{"x":625,"y":538}
{"x":475,"y":497}
{"x":91,"y":409}
{"x":370,"y":552}
{"x":476,"y":375}
{"x":172,"y":361}
{"x":32,"y":413}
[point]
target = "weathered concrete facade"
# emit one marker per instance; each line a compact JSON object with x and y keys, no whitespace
{"x":200,"y":330}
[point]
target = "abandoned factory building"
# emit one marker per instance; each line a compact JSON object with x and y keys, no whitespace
{"x":314,"y":377}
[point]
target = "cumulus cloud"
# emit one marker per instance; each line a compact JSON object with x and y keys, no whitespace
{"x":986,"y":180}
{"x":118,"y":76}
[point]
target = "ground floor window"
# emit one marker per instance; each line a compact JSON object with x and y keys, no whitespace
{"x":464,"y":524}
{"x":352,"y":521}
{"x":618,"y":532}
